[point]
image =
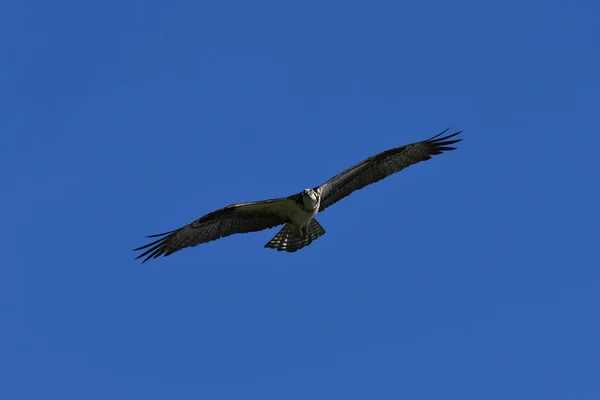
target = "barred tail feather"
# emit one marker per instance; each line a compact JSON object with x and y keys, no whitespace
{"x":315,"y":229}
{"x":289,"y":239}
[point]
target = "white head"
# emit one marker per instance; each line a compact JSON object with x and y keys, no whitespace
{"x":310,"y":199}
{"x":309,"y":193}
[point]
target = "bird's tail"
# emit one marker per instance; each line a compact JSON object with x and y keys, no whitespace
{"x":288,"y":238}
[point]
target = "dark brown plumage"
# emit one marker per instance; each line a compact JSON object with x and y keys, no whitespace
{"x":381,"y":165}
{"x":236,"y":218}
{"x":297,"y":212}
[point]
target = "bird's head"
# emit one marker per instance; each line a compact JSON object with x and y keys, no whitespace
{"x":310,"y":199}
{"x":310,"y":193}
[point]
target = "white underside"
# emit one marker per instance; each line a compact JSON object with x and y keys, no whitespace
{"x":301,"y":218}
{"x":288,"y":209}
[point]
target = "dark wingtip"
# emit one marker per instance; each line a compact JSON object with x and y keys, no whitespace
{"x":442,"y":143}
{"x":439,"y":144}
{"x":160,"y":234}
{"x":438,"y":135}
{"x":156,"y":247}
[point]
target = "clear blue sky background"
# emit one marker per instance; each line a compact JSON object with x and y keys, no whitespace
{"x":472,"y":276}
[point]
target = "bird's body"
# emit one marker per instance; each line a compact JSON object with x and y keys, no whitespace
{"x":297,"y":212}
{"x":308,"y":209}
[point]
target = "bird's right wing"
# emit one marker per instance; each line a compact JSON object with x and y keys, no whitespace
{"x":236,"y":218}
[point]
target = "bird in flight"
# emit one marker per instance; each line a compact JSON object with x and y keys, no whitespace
{"x":297,"y":212}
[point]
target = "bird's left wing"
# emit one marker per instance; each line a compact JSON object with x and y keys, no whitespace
{"x":236,"y":218}
{"x":381,"y":165}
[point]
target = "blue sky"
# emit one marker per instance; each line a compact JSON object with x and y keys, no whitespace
{"x":473,"y":275}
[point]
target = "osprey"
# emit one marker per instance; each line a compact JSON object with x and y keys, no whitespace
{"x":298,"y":211}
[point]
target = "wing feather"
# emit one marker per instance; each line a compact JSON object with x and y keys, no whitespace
{"x":236,"y":218}
{"x":382,"y":165}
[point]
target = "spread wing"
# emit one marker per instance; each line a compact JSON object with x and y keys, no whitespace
{"x":236,"y":218}
{"x":381,"y":165}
